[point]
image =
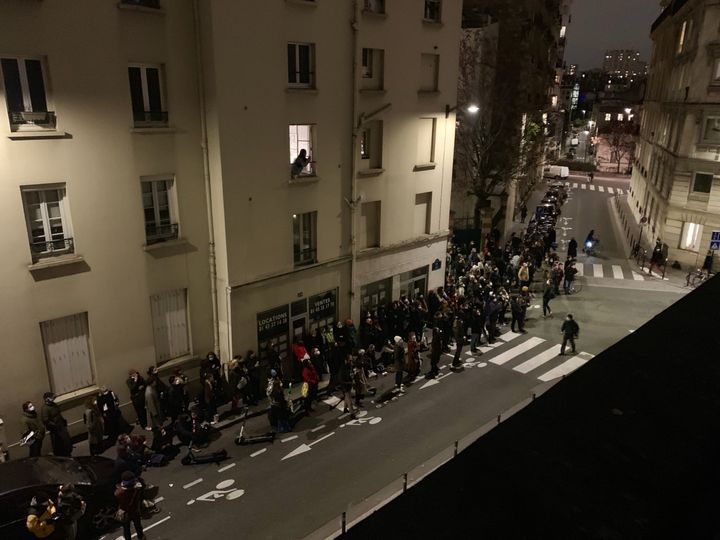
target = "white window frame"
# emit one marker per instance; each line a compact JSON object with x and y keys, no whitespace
{"x":297,"y":141}
{"x":154,"y":182}
{"x":300,"y":258}
{"x":311,"y":65}
{"x":146,"y":93}
{"x":73,"y":354}
{"x":31,"y":122}
{"x":691,"y":236}
{"x":65,"y":223}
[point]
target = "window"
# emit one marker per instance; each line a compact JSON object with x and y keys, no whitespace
{"x":170,"y":325}
{"x":374,"y":6}
{"x":305,"y":238}
{"x":67,"y":353}
{"x":155,"y":4}
{"x":608,"y":117}
{"x":716,"y":71}
{"x":426,"y":141}
{"x":423,"y":207}
{"x":553,"y":101}
{"x":620,"y":117}
{"x":47,"y":216}
{"x":158,"y":208}
{"x":372,"y":295}
{"x":25,"y":94}
{"x":432,"y":10}
{"x":429,"y":67}
{"x":372,"y":69}
{"x":711,"y":132}
{"x":563,"y":30}
{"x":691,"y":236}
{"x":414,"y":284}
{"x":147,"y":95}
{"x":371,"y":145}
{"x":302,"y":137}
{"x":702,"y":183}
{"x":370,"y":214}
{"x":684,"y":36}
{"x":301,"y":65}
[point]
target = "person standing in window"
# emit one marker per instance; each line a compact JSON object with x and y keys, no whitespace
{"x":299,"y":164}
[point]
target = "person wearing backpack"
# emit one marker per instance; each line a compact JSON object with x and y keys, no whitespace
{"x":129,"y":494}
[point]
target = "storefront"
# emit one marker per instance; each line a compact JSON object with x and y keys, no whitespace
{"x":414,"y":283}
{"x":375,"y":294}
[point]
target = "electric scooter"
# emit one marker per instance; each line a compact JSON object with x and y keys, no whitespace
{"x":243,"y":439}
{"x":194,"y":458}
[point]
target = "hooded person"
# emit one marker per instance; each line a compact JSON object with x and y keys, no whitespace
{"x":34,"y":429}
{"x":56,"y":424}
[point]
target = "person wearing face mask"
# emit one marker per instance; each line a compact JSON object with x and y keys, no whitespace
{"x":56,"y":424}
{"x":34,"y":429}
{"x":136,"y":385}
{"x":109,"y":407}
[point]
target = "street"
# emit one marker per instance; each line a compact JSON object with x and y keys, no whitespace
{"x":330,"y":463}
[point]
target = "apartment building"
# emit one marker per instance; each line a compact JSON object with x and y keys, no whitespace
{"x":154,"y":204}
{"x":624,"y":63}
{"x":676,"y":177}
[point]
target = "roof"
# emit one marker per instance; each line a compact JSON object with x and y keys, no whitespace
{"x":672,"y":8}
{"x":46,"y":470}
{"x":626,"y":447}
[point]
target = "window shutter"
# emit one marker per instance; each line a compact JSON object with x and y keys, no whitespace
{"x":170,"y":324}
{"x":292,"y":66}
{"x":153,"y":86}
{"x":304,"y":51}
{"x":67,"y":353}
{"x":33,"y":69}
{"x":13,"y":90}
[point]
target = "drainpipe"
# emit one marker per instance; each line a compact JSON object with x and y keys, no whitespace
{"x":355,"y":125}
{"x":206,"y":176}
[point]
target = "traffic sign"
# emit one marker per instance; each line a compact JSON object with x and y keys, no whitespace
{"x":715,"y":245}
{"x":715,"y":241}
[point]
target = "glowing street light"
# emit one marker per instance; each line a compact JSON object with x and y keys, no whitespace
{"x":472,"y":109}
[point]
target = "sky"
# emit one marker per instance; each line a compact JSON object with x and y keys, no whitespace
{"x":598,"y":25}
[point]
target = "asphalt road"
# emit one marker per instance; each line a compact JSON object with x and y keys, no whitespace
{"x":306,"y":478}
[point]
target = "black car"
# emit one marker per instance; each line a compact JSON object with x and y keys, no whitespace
{"x":23,"y":479}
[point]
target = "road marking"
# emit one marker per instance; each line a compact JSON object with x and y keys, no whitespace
{"x":516,"y":351}
{"x":148,"y":527}
{"x":287,"y":439}
{"x":226,"y":467}
{"x":193,"y":483}
{"x":601,"y":189}
{"x":563,"y":369}
{"x":537,"y":361}
{"x":610,"y":190}
{"x":159,"y":500}
{"x":436,"y":380}
{"x":580,"y":269}
{"x":620,"y":191}
{"x":637,"y":277}
{"x":306,"y":447}
{"x":332,"y":401}
{"x":509,"y":336}
{"x":631,"y":330}
{"x":592,"y":187}
{"x":583,"y":186}
{"x":255,"y":454}
{"x":617,"y":271}
{"x":598,"y":270}
{"x":567,"y":184}
{"x":443,"y":366}
{"x":313,"y":430}
{"x":574,"y":185}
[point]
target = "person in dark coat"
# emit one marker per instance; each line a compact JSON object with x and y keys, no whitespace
{"x":570,"y":331}
{"x":435,"y":352}
{"x":129,"y":494}
{"x":345,"y":380}
{"x":94,"y":425}
{"x":34,"y":429}
{"x":70,"y":508}
{"x":572,"y":248}
{"x":189,"y":428}
{"x":548,"y":294}
{"x":113,"y":421}
{"x":136,"y":384}
{"x":56,"y":424}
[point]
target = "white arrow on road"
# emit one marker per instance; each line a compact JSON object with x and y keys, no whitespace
{"x":306,"y":447}
{"x":436,"y":380}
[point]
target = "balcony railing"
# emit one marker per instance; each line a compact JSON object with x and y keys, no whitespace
{"x":155,"y":234}
{"x":304,"y":257}
{"x":29,"y":119}
{"x":52,"y":248}
{"x":150,"y":118}
{"x":155,"y":4}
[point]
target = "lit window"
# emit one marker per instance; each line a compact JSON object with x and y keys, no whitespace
{"x":301,"y":65}
{"x":554,"y":101}
{"x":681,"y":37}
{"x":691,"y":235}
{"x":302,"y":146}
{"x":608,"y":117}
{"x":25,"y":94}
{"x":620,"y":117}
{"x":158,"y":208}
{"x":48,"y":220}
{"x":147,"y":95}
{"x":305,"y":238}
{"x":563,"y":29}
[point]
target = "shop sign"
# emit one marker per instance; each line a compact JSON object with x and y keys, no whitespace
{"x":323,"y":305}
{"x":272,"y":322}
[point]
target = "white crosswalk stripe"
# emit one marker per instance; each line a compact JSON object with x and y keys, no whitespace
{"x":563,"y":369}
{"x":583,"y":186}
{"x":610,"y":190}
{"x":574,"y":185}
{"x":508,"y":355}
{"x":637,"y":277}
{"x":592,"y":187}
{"x":538,"y":360}
{"x":617,"y":271}
{"x":580,"y":269}
{"x":509,"y":336}
{"x":567,"y":184}
{"x":620,"y":191}
{"x":601,"y":189}
{"x":598,"y":270}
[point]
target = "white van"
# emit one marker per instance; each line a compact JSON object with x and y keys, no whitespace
{"x":556,"y":171}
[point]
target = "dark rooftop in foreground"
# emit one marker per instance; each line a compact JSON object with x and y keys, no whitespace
{"x":626,"y":447}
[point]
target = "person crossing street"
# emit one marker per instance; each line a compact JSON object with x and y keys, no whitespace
{"x":570,"y":331}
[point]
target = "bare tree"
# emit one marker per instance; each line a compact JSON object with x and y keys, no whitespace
{"x":620,"y":140}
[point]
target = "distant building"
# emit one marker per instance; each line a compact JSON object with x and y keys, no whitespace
{"x":572,"y":70}
{"x":624,"y":63}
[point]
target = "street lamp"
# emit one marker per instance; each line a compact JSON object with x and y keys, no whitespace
{"x":472,"y":109}
{"x":628,"y":110}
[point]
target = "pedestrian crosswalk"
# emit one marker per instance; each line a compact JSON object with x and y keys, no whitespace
{"x":608,"y":271}
{"x":600,"y":188}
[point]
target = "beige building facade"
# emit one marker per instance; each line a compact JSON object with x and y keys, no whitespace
{"x":152,"y":208}
{"x":676,"y":176}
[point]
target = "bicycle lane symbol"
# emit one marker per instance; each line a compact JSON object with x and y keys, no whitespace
{"x":221,"y":491}
{"x":362,"y":420}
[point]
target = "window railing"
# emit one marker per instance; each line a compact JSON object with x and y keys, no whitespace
{"x":52,"y":248}
{"x":304,"y":257}
{"x":27,"y":119}
{"x":155,"y":234}
{"x":155,"y":4}
{"x":150,"y":118}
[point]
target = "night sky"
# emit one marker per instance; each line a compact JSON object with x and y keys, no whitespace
{"x":598,"y":25}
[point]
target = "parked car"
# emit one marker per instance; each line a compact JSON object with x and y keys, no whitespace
{"x":23,"y":479}
{"x":558,"y":172}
